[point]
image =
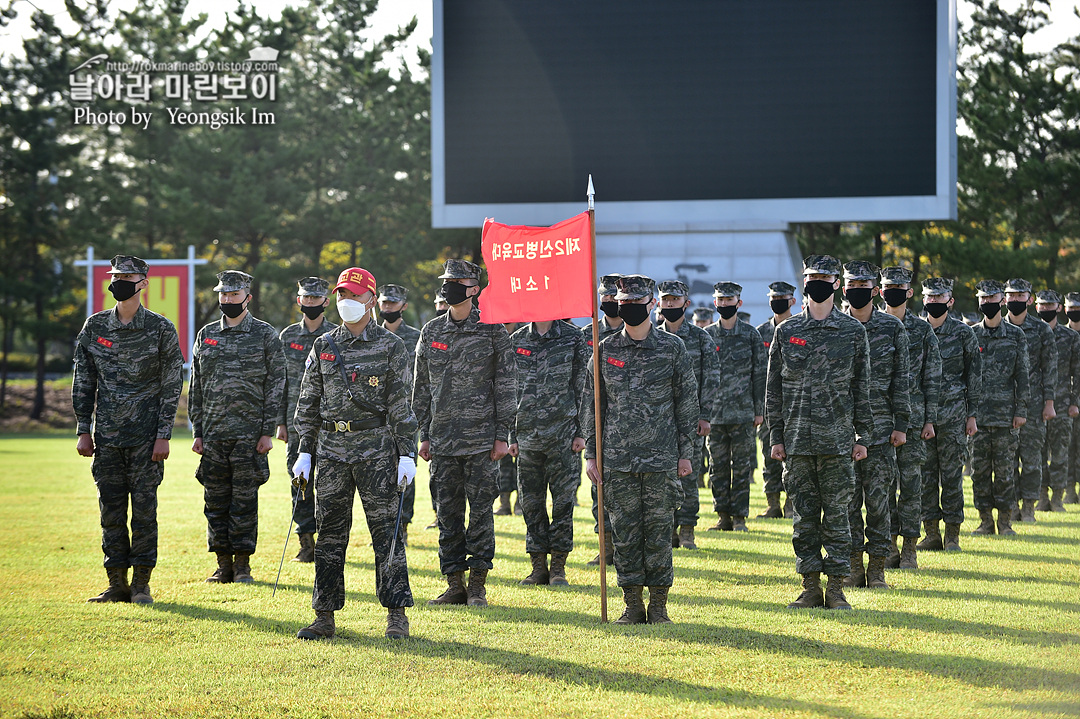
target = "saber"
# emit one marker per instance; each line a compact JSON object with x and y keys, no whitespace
{"x":397,"y":528}
{"x":299,"y":495}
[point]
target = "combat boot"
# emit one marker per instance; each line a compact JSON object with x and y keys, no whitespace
{"x":477,"y":591}
{"x":241,"y":568}
{"x":857,"y":578}
{"x":1014,"y":514}
{"x":811,"y":595}
{"x":397,"y":624}
{"x":517,"y":505}
{"x":1056,"y":503}
{"x":1044,"y":499}
{"x":986,"y":522}
{"x":952,"y":537}
{"x":738,"y":524}
{"x":321,"y":628}
{"x":307,"y":549}
{"x":224,"y":572}
{"x":657,"y":613}
{"x":1027,"y":512}
{"x":789,"y":511}
{"x":932,"y":541}
{"x":893,"y":560}
{"x":1004,"y":524}
{"x":1071,"y":497}
{"x":557,"y":576}
{"x":875,"y":573}
{"x":774,"y":511}
{"x":686,"y":536}
{"x":834,"y":594}
{"x":609,"y":551}
{"x":455,"y":591}
{"x":118,"y":590}
{"x":140,"y":585}
{"x":635,"y":607}
{"x":723,"y":523}
{"x":539,"y":574}
{"x":908,"y":555}
{"x":504,"y":505}
{"x":675,"y":541}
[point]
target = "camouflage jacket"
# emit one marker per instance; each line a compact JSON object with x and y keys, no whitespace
{"x":648,"y":404}
{"x":890,"y":361}
{"x":817,"y":398}
{"x":1042,"y":363}
{"x":375,"y":370}
{"x":1068,"y":368}
{"x":410,"y":336}
{"x":550,"y":385}
{"x":767,"y":330}
{"x":128,"y":378}
{"x":924,"y":378}
{"x":465,"y":389}
{"x":702,"y":351}
{"x":961,"y":371}
{"x":606,"y":330}
{"x":296,"y":342}
{"x":1005,"y":374}
{"x":740,"y":359}
{"x":237,"y":380}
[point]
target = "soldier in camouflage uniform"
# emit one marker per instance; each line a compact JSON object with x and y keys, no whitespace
{"x":296,"y":341}
{"x":1072,"y":312}
{"x":781,"y":300}
{"x":547,"y":440}
{"x":234,"y":403}
{"x":674,"y":301}
{"x":354,"y":412}
{"x":465,"y":399}
{"x":649,"y":414}
{"x":876,"y":475}
{"x":1003,"y":410}
{"x":508,"y":468}
{"x":818,"y":402}
{"x":127,"y":381}
{"x":923,"y":395}
{"x":1042,"y":363}
{"x":703,"y":316}
{"x":960,"y":392}
{"x":737,"y":408}
{"x":1059,"y":429}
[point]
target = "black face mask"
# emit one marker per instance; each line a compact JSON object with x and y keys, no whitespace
{"x":312,"y":313}
{"x":779,"y":307}
{"x":391,"y":317}
{"x":673,"y":314}
{"x":1047,"y":315}
{"x":634,"y":315}
{"x":232,"y":310}
{"x":990,"y":310}
{"x":859,"y":297}
{"x":936,"y":309}
{"x":727,"y":312}
{"x":819,"y":290}
{"x":611,"y":309}
{"x":1073,"y":315}
{"x":455,"y":293}
{"x":894,"y":297}
{"x":123,"y":289}
{"x":1016,"y":308}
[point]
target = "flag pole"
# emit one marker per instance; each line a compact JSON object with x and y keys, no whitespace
{"x":596,"y":411}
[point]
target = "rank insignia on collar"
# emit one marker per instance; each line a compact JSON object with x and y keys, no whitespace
{"x":373,"y":381}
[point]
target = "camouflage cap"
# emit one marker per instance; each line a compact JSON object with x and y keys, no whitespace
{"x":781,"y":289}
{"x":703,"y":313}
{"x":460,"y":270}
{"x":822,"y":265}
{"x":674,"y":288}
{"x":985,"y":288}
{"x":1072,"y":299}
{"x":233,"y":281}
{"x":393,"y":293}
{"x":936,"y":286}
{"x":727,"y":289}
{"x":128,"y":265}
{"x":1048,"y":297}
{"x":895,"y":276}
{"x":634,"y":287}
{"x":312,"y":287}
{"x":1018,"y":284}
{"x":607,"y":284}
{"x":861,"y":270}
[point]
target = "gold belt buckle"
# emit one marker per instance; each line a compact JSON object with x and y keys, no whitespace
{"x":342,"y":426}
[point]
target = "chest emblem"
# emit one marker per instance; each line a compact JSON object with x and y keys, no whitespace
{"x":327,"y":356}
{"x":296,"y":346}
{"x":440,"y":346}
{"x":104,"y":342}
{"x":524,"y":352}
{"x":615,"y":362}
{"x":797,"y":341}
{"x":210,"y":341}
{"x":373,"y":381}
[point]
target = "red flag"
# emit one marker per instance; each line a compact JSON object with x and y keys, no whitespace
{"x":537,"y":273}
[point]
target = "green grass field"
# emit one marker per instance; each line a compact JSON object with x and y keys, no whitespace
{"x":993,"y":631}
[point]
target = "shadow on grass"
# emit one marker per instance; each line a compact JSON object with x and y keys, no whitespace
{"x":1056,"y":709}
{"x":997,"y":554}
{"x":988,"y":576}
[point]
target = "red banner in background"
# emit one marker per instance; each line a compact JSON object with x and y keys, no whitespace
{"x":537,"y":273}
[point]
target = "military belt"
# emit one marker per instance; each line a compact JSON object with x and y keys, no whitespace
{"x":355,"y":425}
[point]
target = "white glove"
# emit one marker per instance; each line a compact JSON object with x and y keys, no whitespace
{"x":406,"y":470}
{"x":302,"y":466}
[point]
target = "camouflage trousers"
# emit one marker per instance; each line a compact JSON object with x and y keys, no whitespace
{"x":475,"y":478}
{"x":943,"y":474}
{"x":121,"y":473}
{"x":336,"y":485}
{"x":874,"y":478}
{"x":231,"y":472}
{"x":993,"y":464}
{"x":731,"y":462}
{"x":641,"y":504}
{"x":820,"y":487}
{"x":1028,"y":459}
{"x":540,"y":471}
{"x":690,"y":504}
{"x":1074,"y":456}
{"x":595,"y":503}
{"x":772,"y":473}
{"x":905,"y":511}
{"x":703,"y":464}
{"x":507,"y":474}
{"x":304,"y":509}
{"x":1056,"y":453}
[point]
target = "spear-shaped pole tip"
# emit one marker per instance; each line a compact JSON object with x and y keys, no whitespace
{"x":590,"y":192}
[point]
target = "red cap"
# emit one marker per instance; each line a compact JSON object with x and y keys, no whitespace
{"x":356,"y":280}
